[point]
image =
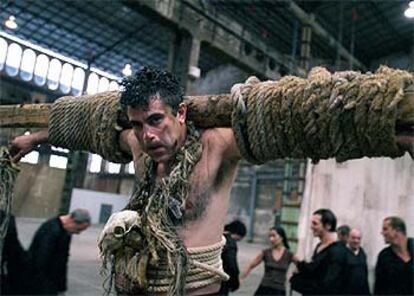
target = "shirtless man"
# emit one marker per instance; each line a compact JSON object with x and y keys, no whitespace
{"x":159,"y":129}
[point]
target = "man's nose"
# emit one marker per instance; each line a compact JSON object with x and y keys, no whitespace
{"x":148,"y":134}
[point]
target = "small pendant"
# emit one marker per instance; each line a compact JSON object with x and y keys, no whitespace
{"x":175,"y":208}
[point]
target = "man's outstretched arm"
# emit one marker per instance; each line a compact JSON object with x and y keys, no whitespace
{"x":22,"y":145}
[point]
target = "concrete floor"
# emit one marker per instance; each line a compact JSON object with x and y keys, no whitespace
{"x":84,"y":263}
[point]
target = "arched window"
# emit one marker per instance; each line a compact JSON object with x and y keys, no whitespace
{"x":66,"y":78}
{"x":93,"y":81}
{"x":113,"y":85}
{"x":40,"y":72}
{"x":103,"y":84}
{"x":14,"y":56}
{"x":54,"y":74}
{"x":3,"y":52}
{"x":78,"y":81}
{"x":27,"y":65}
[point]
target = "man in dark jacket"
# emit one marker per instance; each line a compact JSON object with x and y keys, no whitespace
{"x":324,"y":275}
{"x":394,"y":272}
{"x":14,"y":263}
{"x":49,"y":251}
{"x":233,"y":232}
{"x":356,"y":278}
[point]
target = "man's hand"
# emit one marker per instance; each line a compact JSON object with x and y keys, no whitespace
{"x":22,"y":145}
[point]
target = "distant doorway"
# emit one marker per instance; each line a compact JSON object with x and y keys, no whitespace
{"x":105,"y":213}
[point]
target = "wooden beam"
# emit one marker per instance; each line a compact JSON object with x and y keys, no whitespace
{"x":205,"y":111}
{"x":27,"y":115}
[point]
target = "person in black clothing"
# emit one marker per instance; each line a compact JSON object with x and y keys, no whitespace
{"x":394,"y":272}
{"x":343,"y":233}
{"x":356,"y":279}
{"x":14,"y":274}
{"x":49,"y":251}
{"x":324,"y":275}
{"x":233,"y":232}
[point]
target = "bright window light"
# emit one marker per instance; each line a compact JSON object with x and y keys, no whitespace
{"x":131,"y":168}
{"x":14,"y":56}
{"x":27,"y":65}
{"x":103,"y":84}
{"x":114,"y":168}
{"x":409,"y":12}
{"x":53,"y":75}
{"x":60,"y":149}
{"x":66,"y":78}
{"x":42,"y":65}
{"x":32,"y":157}
{"x":3,"y":52}
{"x":93,"y":81}
{"x":95,"y":162}
{"x":57,"y":161}
{"x":113,"y":85}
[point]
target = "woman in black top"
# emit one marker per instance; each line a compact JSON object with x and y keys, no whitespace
{"x":276,"y":261}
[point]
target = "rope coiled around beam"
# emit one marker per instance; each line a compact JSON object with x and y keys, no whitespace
{"x":345,"y":115}
{"x":92,"y":123}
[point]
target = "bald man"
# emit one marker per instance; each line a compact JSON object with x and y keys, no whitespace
{"x":356,"y":279}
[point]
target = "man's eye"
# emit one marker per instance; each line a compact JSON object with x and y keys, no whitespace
{"x":155,"y":120}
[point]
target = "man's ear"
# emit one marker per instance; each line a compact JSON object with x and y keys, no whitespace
{"x":182,"y":113}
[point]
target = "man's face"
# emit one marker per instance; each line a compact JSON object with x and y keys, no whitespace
{"x":316,"y":226}
{"x":388,"y":232}
{"x":75,"y":228}
{"x":354,"y":240}
{"x":158,"y":130}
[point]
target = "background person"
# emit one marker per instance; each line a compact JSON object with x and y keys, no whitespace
{"x":324,"y":275}
{"x":394,"y":271}
{"x":49,"y":251}
{"x":356,"y":279}
{"x":276,"y":260}
{"x":233,"y":232}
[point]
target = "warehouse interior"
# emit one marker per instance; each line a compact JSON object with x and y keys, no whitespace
{"x":50,"y":49}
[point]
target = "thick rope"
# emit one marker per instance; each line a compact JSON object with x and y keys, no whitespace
{"x":345,"y":115}
{"x":91,"y":123}
{"x":8,"y":174}
{"x":205,"y":269}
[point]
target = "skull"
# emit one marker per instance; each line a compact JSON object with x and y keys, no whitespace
{"x":120,"y":230}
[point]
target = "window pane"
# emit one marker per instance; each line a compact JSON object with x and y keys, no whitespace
{"x":131,"y":168}
{"x":66,"y":78}
{"x":32,"y":157}
{"x":113,"y":85}
{"x":114,"y":168}
{"x":60,"y":149}
{"x":3,"y":52}
{"x":92,"y":84}
{"x":78,"y":81}
{"x":54,"y":74}
{"x":14,"y":56}
{"x":57,"y":161}
{"x":42,"y":65}
{"x":28,"y":64}
{"x":103,"y":84}
{"x":95,"y":162}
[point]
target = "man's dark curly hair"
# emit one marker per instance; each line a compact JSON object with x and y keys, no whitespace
{"x":148,"y":83}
